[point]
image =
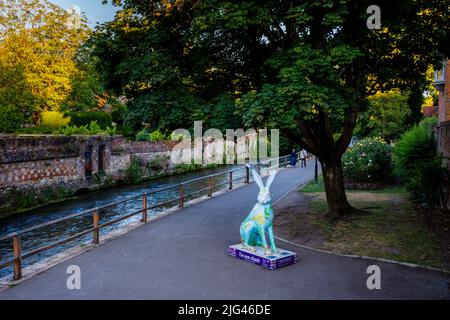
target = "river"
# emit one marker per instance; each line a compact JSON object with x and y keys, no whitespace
{"x":59,"y":231}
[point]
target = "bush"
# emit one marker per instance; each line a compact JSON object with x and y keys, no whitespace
{"x":103,"y":119}
{"x":93,"y":129}
{"x":418,"y":164}
{"x":118,"y":112}
{"x":36,"y":130}
{"x":125,"y":131}
{"x":156,"y":136}
{"x":368,"y":161}
{"x":54,"y":119}
{"x":10,"y":118}
{"x":134,"y":172}
{"x":142,"y":135}
{"x":430,"y":123}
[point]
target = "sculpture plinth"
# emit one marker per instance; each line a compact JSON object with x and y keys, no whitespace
{"x":272,"y":261}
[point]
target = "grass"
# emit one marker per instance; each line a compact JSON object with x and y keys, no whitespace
{"x":390,"y":228}
{"x":312,"y":186}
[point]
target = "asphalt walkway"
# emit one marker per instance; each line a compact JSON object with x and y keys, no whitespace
{"x":184,"y":256}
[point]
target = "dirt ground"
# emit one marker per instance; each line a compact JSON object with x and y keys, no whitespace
{"x":290,"y":220}
{"x":392,"y":229}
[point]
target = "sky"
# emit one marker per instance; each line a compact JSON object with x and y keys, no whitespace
{"x":94,"y":10}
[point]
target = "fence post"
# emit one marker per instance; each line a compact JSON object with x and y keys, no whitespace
{"x":210,"y":191}
{"x":144,"y":208}
{"x":95,"y":223}
{"x":17,"y":251}
{"x":181,"y":195}
{"x":231,"y":180}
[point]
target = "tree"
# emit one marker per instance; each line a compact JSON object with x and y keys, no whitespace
{"x":303,"y":66}
{"x":39,"y":40}
{"x":386,"y":116}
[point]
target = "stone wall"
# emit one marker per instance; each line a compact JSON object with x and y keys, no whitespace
{"x":38,"y":169}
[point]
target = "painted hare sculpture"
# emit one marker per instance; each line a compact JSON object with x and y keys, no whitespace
{"x":259,"y":221}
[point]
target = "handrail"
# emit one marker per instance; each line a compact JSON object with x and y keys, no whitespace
{"x":18,"y":256}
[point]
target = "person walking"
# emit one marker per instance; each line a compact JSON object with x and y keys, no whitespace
{"x":303,"y":156}
{"x":293,"y":158}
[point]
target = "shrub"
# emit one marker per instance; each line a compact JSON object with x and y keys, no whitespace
{"x":418,"y":164}
{"x":118,"y":111}
{"x":158,"y":164}
{"x":125,"y":131}
{"x":103,"y":119}
{"x":93,"y":129}
{"x":54,"y":119}
{"x":368,"y":161}
{"x":36,"y":130}
{"x":429,"y":123}
{"x":134,"y":172}
{"x":10,"y":118}
{"x":156,"y":136}
{"x":142,"y":135}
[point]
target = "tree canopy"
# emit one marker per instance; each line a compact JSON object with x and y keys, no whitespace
{"x":307,"y":67}
{"x":39,"y":46}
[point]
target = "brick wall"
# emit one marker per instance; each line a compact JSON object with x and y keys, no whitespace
{"x":38,"y":167}
{"x":40,"y":171}
{"x":444,"y":141}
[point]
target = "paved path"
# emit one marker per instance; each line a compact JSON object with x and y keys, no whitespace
{"x":183,"y":256}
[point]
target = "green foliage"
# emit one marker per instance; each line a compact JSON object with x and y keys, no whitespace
{"x":54,"y":119}
{"x":430,"y":123}
{"x":92,"y":129}
{"x":187,"y":167}
{"x":386,"y":117}
{"x":135,"y":171}
{"x":156,"y":136}
{"x":118,"y":111}
{"x":38,"y":41}
{"x":10,"y":118}
{"x":158,"y":164}
{"x":17,"y":102}
{"x":35,"y":130}
{"x":142,"y":135}
{"x":419,"y":165}
{"x":368,"y":161}
{"x":85,"y":89}
{"x":306,"y":67}
{"x":103,"y":119}
{"x":125,"y":131}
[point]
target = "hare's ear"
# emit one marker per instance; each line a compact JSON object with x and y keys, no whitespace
{"x":271,"y":178}
{"x":257,"y":179}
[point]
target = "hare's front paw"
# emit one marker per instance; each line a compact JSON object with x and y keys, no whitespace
{"x":267,"y":252}
{"x":275,"y":250}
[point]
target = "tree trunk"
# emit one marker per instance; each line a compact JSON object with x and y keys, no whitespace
{"x":333,"y":178}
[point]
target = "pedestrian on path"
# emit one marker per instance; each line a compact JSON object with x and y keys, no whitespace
{"x":303,"y":156}
{"x":293,"y":158}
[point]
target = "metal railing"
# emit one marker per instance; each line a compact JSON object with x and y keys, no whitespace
{"x":15,"y":237}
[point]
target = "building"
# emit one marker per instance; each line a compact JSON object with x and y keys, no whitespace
{"x":442,"y":84}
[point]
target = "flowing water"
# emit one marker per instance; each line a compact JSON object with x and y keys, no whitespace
{"x":50,"y":234}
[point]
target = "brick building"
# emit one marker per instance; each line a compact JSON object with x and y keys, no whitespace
{"x":442,"y":83}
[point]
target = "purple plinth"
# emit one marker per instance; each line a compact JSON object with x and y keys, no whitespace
{"x":272,"y":262}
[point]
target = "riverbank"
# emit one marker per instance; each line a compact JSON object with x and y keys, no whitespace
{"x":390,"y":229}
